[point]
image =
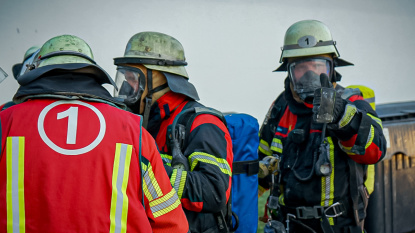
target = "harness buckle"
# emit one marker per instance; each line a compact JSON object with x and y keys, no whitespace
{"x":304,"y":212}
{"x":337,"y":212}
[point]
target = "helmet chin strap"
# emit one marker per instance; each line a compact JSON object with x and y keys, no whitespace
{"x":148,"y":98}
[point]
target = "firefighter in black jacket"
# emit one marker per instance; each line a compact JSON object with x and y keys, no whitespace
{"x":152,"y":80}
{"x":323,"y":135}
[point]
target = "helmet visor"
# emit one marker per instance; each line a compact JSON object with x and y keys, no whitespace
{"x":305,"y":75}
{"x":131,"y":84}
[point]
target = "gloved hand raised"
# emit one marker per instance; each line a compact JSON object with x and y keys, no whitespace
{"x":328,"y":106}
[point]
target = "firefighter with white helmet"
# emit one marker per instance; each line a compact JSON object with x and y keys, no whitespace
{"x":322,"y":135}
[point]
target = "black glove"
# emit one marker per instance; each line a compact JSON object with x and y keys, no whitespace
{"x":336,"y":106}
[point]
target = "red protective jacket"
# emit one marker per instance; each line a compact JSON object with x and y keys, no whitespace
{"x":74,"y":166}
{"x":205,"y":189}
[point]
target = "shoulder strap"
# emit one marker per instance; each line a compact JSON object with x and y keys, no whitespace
{"x":349,"y":92}
{"x":186,"y":118}
{"x":276,"y":111}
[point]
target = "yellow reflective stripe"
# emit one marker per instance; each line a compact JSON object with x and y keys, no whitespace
{"x":150,"y":186}
{"x":165,"y":204}
{"x":119,"y":198}
{"x":370,"y":137}
{"x":276,"y":145}
{"x":166,"y":159}
{"x":22,"y":213}
{"x":264,"y":147}
{"x":178,"y":180}
{"x":370,"y":180}
{"x":281,"y":199}
{"x":348,"y":115}
{"x":327,"y":182}
{"x":15,"y":184}
{"x":379,"y":121}
{"x":145,"y":188}
{"x":144,"y":166}
{"x":196,"y":157}
{"x":346,"y":149}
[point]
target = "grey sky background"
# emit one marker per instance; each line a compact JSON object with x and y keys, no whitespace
{"x":231,"y":46}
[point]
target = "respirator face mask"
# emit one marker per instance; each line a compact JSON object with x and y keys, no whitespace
{"x":131,"y":83}
{"x":305,"y":75}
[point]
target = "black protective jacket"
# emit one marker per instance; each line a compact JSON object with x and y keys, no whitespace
{"x":205,"y":189}
{"x":299,"y":185}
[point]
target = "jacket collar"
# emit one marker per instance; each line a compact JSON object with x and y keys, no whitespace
{"x":163,"y":108}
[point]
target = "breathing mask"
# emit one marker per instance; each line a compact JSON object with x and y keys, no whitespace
{"x":131,"y":83}
{"x":305,"y":75}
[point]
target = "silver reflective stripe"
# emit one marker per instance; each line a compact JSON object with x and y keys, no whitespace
{"x":178,"y":179}
{"x":119,"y":199}
{"x":120,"y":196}
{"x":150,"y":186}
{"x":370,"y":100}
{"x":15,"y":183}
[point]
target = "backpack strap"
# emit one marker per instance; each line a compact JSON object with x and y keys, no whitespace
{"x":276,"y":112}
{"x":358,"y":192}
{"x":250,"y":167}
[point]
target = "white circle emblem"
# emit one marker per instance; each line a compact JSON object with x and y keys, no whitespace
{"x":53,"y":146}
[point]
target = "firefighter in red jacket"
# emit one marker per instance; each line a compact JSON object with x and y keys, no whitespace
{"x":324,"y":136}
{"x":72,"y":160}
{"x":152,"y":80}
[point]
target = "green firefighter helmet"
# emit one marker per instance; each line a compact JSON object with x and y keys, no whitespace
{"x":64,"y":49}
{"x":20,"y":68}
{"x":30,"y":52}
{"x":65,"y":53}
{"x":309,"y":38}
{"x":156,"y":51}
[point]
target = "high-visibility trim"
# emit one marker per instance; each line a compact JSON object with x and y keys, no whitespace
{"x":276,"y":145}
{"x":379,"y":121}
{"x":222,"y":164}
{"x":281,"y":199}
{"x":264,"y":147}
{"x":327,"y":182}
{"x":348,"y":115}
{"x":347,"y":149}
{"x":178,"y":180}
{"x":165,"y":204}
{"x":166,"y":159}
{"x":15,"y":148}
{"x":370,"y":137}
{"x":369,"y":141}
{"x":150,"y":186}
{"x":119,"y":198}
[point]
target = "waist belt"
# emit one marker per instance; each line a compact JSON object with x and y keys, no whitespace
{"x":316,"y":212}
{"x":250,"y":167}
